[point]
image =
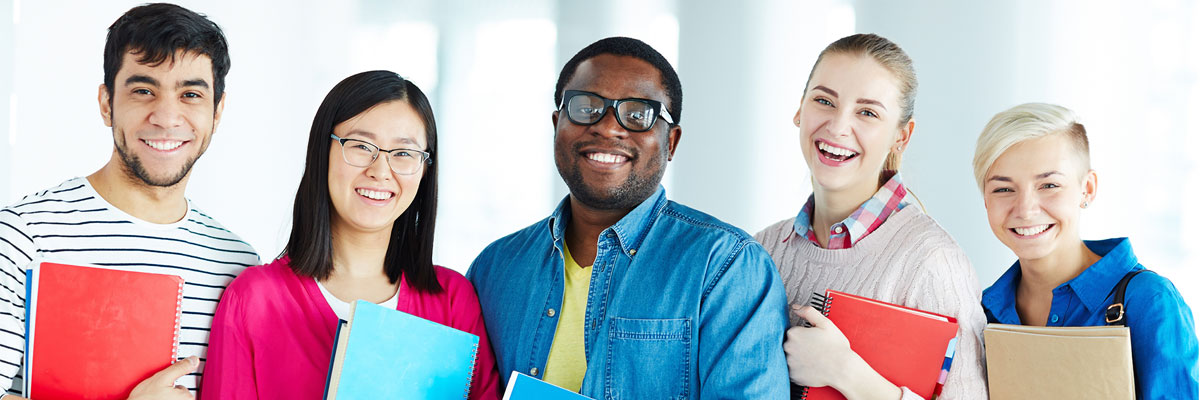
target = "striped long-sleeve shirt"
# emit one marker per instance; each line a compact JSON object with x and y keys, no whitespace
{"x":72,"y":224}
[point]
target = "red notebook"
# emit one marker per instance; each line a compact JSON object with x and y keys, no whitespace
{"x":907,"y":346}
{"x":94,"y":333}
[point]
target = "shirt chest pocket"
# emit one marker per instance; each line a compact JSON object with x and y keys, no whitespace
{"x":648,"y":358}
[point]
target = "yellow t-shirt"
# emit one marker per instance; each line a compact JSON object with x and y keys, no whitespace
{"x":567,"y":362}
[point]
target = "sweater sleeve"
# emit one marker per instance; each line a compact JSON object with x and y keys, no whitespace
{"x":947,"y":285}
{"x":466,"y":316}
{"x":229,"y":372}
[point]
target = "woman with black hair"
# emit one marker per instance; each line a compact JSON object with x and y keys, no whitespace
{"x":362,"y":229}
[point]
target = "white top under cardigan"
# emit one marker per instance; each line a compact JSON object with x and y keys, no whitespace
{"x":909,"y":260}
{"x":342,"y":309}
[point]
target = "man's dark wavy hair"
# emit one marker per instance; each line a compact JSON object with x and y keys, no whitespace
{"x":156,"y":32}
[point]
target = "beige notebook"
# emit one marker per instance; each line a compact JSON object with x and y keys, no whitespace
{"x":1060,"y":363}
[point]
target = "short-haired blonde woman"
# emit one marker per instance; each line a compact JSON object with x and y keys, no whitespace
{"x":1033,"y":167}
{"x":860,"y":231}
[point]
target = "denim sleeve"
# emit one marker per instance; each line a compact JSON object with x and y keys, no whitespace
{"x":482,"y":259}
{"x":742,"y":321}
{"x":1163,"y":336}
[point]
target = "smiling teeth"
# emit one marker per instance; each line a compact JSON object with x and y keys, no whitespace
{"x":606,"y":158}
{"x":374,"y":194}
{"x":164,"y":145}
{"x":1033,"y":230}
{"x":837,"y":151}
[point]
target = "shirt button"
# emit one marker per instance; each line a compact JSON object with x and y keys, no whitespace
{"x":838,"y":229}
{"x":550,"y":312}
{"x":1054,"y":318}
{"x":533,"y":372}
{"x":632,"y":252}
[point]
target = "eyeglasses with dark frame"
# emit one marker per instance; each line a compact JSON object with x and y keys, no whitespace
{"x":635,"y":115}
{"x":361,"y":153}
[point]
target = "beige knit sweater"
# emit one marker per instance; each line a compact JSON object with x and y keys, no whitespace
{"x":909,"y":260}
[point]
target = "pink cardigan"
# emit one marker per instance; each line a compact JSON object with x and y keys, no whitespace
{"x":272,"y":335}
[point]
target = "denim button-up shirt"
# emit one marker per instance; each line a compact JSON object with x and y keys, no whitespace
{"x":1161,"y":329}
{"x":681,"y":306}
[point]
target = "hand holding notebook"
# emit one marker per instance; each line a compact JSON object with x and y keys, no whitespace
{"x":814,"y":347}
{"x":905,"y":346}
{"x":161,"y":386}
{"x":96,"y":333}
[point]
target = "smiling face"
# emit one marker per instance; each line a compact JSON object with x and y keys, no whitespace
{"x":1034,"y":193}
{"x":162,"y":116}
{"x":370,"y":199}
{"x":605,"y":166}
{"x":849,"y":122}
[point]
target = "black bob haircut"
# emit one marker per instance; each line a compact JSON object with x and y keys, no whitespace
{"x":624,"y":46}
{"x":155,"y":32}
{"x":410,"y":250}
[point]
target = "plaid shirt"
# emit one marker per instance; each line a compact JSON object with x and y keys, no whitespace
{"x":890,"y":198}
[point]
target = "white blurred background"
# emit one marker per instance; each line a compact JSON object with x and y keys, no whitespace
{"x":1131,"y":70}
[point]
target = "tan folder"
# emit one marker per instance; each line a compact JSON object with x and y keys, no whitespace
{"x":1060,"y":363}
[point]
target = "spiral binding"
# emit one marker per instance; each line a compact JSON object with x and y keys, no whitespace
{"x":178,"y":322}
{"x":822,"y":303}
{"x":471,"y":376}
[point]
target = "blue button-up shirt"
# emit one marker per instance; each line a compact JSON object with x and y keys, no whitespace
{"x":1161,"y":328}
{"x":681,"y":306}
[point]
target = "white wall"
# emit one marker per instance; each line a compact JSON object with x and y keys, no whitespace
{"x":1129,"y":71}
{"x":490,"y":67}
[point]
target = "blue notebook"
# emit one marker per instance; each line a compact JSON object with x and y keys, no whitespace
{"x":383,"y":353}
{"x":525,"y":387}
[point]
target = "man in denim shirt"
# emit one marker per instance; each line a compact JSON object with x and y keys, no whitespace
{"x":622,"y":293}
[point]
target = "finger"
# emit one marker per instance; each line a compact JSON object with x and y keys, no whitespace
{"x":167,"y":376}
{"x":813,"y":317}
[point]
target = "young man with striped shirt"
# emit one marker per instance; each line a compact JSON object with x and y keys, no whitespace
{"x":164,"y":77}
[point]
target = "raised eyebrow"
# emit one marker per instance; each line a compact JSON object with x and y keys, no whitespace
{"x":141,"y":79}
{"x":872,"y":102}
{"x":360,"y":132}
{"x":826,"y":90}
{"x":194,"y":83}
{"x":407,"y":141}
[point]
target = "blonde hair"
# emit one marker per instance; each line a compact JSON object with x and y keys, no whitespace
{"x":1027,"y":122}
{"x":892,"y":58}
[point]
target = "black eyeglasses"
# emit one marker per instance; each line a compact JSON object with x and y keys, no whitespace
{"x":635,"y":115}
{"x":361,"y":153}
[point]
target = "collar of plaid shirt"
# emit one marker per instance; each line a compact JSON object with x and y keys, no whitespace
{"x":890,"y":198}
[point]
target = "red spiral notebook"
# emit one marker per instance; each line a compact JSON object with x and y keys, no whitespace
{"x":95,"y":333}
{"x":908,"y":347}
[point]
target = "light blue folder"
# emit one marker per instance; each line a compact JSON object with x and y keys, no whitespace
{"x":387,"y":354}
{"x":525,"y":387}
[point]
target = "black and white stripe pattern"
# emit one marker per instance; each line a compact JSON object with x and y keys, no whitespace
{"x":72,"y":224}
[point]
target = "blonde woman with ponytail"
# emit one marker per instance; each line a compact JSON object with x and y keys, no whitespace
{"x":862,"y":231}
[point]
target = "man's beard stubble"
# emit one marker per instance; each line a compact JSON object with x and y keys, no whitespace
{"x":132,"y":166}
{"x":626,"y":196}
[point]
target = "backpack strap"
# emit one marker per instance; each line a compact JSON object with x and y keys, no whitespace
{"x":1115,"y":314}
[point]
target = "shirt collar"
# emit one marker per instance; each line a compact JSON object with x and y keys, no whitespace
{"x":1001,"y":298}
{"x":630,"y":230}
{"x":1092,"y":286}
{"x":1095,"y":283}
{"x":890,"y":197}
